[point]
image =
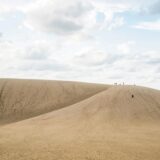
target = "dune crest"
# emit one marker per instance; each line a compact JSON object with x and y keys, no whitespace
{"x":112,"y":106}
{"x":21,"y":99}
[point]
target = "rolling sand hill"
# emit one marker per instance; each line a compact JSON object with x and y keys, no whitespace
{"x":107,"y":125}
{"x":21,"y":99}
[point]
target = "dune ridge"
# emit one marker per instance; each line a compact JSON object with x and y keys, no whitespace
{"x":21,"y":99}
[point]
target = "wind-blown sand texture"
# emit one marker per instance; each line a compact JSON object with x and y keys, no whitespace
{"x":56,"y":120}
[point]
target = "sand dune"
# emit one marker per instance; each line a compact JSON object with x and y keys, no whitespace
{"x":113,"y":123}
{"x":115,"y":105}
{"x":21,"y":99}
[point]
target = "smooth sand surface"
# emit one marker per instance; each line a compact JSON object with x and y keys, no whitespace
{"x":109,"y":124}
{"x":21,"y":99}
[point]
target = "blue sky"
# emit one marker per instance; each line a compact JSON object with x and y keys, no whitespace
{"x":103,"y":41}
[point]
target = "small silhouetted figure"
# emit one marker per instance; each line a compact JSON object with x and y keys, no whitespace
{"x":132,"y":96}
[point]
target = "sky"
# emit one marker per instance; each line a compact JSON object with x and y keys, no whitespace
{"x":99,"y":41}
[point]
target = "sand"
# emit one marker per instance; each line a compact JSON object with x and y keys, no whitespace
{"x":21,"y":99}
{"x":106,"y":124}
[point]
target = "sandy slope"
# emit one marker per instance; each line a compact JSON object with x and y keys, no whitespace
{"x":21,"y":99}
{"x":110,"y":125}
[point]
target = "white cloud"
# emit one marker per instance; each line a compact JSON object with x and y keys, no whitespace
{"x":94,"y":64}
{"x":90,"y":58}
{"x":38,"y":50}
{"x":154,"y":25}
{"x":73,"y":16}
{"x":35,"y":57}
{"x":95,"y":58}
{"x":10,"y":6}
{"x":125,"y":47}
{"x":116,"y":23}
{"x":4,"y":8}
{"x":151,"y":58}
{"x":61,"y":19}
{"x":42,"y":66}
